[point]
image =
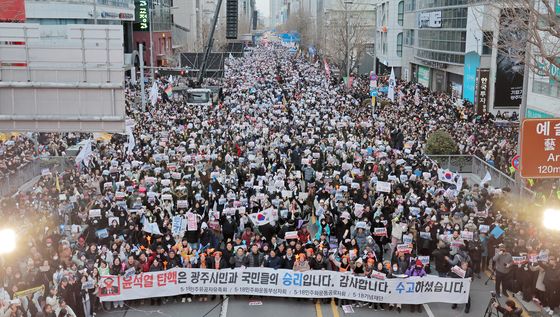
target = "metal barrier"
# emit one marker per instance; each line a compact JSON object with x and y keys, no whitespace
{"x":10,"y":183}
{"x":475,"y":165}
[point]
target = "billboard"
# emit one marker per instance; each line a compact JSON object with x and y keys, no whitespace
{"x":429,"y":19}
{"x":12,"y":11}
{"x":508,"y":89}
{"x":142,"y":14}
{"x":472,"y":62}
{"x":424,"y":76}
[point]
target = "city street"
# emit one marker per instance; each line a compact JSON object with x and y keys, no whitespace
{"x":279,"y":158}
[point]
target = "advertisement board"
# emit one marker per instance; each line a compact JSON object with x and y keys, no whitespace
{"x":12,"y":11}
{"x":424,"y":76}
{"x":508,"y":89}
{"x":430,"y":19}
{"x":472,"y":62}
{"x":142,"y":14}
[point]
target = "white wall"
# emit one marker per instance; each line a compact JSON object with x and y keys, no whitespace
{"x":70,"y":83}
{"x":62,"y":10}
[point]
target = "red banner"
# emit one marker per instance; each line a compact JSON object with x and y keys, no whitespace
{"x":12,"y":11}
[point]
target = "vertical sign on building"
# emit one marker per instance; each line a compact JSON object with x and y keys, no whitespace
{"x":508,"y":89}
{"x":540,"y":142}
{"x":472,"y":62}
{"x":142,"y":10}
{"x":424,"y":76}
{"x":483,"y":77}
{"x":232,"y":11}
{"x":557,"y":7}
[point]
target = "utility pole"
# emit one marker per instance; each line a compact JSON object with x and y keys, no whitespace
{"x":94,"y":11}
{"x":347,"y":42}
{"x":151,"y":42}
{"x":142,"y":84}
{"x":202,"y":69}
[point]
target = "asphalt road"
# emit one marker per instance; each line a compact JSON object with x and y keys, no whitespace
{"x":241,"y":306}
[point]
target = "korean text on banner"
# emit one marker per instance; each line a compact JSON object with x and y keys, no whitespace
{"x":284,"y":283}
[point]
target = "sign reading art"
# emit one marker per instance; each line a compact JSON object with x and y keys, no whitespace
{"x":284,"y":283}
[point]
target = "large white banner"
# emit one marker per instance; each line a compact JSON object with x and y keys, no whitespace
{"x":285,"y":283}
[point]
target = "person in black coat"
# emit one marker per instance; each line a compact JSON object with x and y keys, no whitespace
{"x":468,"y":274}
{"x":288,"y":259}
{"x":439,"y":254}
{"x":273,"y":261}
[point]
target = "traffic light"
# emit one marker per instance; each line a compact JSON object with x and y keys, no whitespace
{"x":231,"y":19}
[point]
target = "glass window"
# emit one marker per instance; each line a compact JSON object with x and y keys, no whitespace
{"x":400,"y":18}
{"x":399,"y":44}
{"x":487,"y":39}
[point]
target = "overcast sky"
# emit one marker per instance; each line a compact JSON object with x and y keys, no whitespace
{"x":264,"y":7}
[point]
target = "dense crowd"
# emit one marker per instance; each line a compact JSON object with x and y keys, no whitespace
{"x":287,"y":141}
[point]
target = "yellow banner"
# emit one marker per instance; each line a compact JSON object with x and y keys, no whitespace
{"x":29,"y":291}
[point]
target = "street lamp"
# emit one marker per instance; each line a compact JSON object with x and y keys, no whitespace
{"x":8,"y":238}
{"x":346,"y":3}
{"x":551,"y":219}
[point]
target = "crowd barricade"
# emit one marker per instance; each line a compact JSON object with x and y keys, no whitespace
{"x":11,"y":182}
{"x":284,"y":283}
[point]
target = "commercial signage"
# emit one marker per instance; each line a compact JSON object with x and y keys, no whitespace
{"x":12,"y":11}
{"x":284,"y":283}
{"x":430,"y":19}
{"x":557,"y":7}
{"x":508,"y":89}
{"x":142,"y":13}
{"x":115,"y":15}
{"x":532,"y":113}
{"x":424,"y":76}
{"x":483,"y":78}
{"x":472,"y":62}
{"x":540,"y":148}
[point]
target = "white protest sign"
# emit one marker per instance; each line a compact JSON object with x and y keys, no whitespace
{"x":467,"y":235}
{"x":380,"y":232}
{"x":384,"y":187}
{"x":459,"y":271}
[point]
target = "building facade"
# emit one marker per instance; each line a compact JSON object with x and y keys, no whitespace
{"x":154,"y":16}
{"x":65,"y":12}
{"x":389,"y":36}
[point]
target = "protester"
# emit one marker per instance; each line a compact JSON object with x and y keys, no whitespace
{"x":279,"y":174}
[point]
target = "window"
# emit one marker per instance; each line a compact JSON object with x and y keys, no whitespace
{"x":487,"y":39}
{"x":399,"y":44}
{"x":409,"y":37}
{"x":409,"y":5}
{"x":400,"y":17}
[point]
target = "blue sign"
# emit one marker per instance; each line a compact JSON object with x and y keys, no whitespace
{"x":373,"y":93}
{"x":472,"y":62}
{"x":384,"y":89}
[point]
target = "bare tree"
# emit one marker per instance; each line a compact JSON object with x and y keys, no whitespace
{"x":300,"y":22}
{"x":346,"y":35}
{"x":528,"y":24}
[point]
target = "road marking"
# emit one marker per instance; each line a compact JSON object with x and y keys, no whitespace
{"x":223,"y":313}
{"x":318,"y":309}
{"x":428,"y":310}
{"x":334,"y":309}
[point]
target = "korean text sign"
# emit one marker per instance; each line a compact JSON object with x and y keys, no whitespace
{"x":540,"y":148}
{"x":284,"y":283}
